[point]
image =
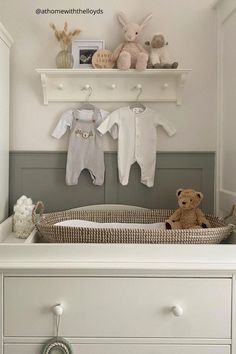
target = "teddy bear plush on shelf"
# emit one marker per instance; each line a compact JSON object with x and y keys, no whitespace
{"x":130,"y":54}
{"x":188,"y":216}
{"x":158,"y":53}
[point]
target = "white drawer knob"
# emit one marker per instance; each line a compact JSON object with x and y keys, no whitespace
{"x":58,"y":310}
{"x":165,"y":86}
{"x":113,"y":86}
{"x":177,"y":310}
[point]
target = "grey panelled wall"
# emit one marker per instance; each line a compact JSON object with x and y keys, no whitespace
{"x":41,"y":176}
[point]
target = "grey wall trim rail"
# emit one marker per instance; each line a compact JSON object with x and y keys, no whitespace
{"x":41,"y":176}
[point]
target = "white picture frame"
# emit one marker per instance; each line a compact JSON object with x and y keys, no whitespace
{"x":83,"y":50}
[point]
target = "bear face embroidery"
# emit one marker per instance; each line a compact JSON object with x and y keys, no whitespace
{"x":83,"y":134}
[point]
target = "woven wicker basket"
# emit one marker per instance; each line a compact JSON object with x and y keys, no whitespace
{"x":66,"y":234}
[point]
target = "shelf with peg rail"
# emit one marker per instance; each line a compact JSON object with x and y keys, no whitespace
{"x":113,"y":85}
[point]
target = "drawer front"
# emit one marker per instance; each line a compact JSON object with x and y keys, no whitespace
{"x":118,"y":307}
{"x":124,"y":349}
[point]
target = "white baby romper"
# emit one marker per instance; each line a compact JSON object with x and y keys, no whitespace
{"x":85,"y":144}
{"x":136,"y":140}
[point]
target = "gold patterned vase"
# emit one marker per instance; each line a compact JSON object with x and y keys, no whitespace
{"x":64,"y":60}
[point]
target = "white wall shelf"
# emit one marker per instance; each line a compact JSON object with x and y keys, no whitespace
{"x":112,"y":85}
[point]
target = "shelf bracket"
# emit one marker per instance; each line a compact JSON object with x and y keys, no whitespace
{"x":180,"y":86}
{"x":44,"y":86}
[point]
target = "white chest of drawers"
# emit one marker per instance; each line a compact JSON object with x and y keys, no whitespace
{"x":119,"y":299}
{"x":109,"y":307}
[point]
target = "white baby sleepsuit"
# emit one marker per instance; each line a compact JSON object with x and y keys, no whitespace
{"x":136,"y":140}
{"x":85,"y":144}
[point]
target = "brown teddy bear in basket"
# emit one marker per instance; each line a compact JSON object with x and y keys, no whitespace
{"x":188,"y":216}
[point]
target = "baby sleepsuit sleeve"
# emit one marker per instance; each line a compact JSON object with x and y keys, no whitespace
{"x":65,"y":122}
{"x":136,"y":140}
{"x":85,"y":144}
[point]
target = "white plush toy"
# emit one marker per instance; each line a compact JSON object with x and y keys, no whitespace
{"x":158,"y":53}
{"x":22,"y":220}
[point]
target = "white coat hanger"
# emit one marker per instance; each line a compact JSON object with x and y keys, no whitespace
{"x":137,"y":103}
{"x":86,"y":105}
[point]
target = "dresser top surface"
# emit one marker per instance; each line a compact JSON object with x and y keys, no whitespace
{"x":118,"y":258}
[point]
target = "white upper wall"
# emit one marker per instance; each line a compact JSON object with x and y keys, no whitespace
{"x":189,"y":27}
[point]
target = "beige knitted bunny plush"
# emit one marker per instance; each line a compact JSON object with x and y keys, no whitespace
{"x":130,"y":53}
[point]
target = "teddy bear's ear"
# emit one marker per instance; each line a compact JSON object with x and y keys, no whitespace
{"x":122,"y":19}
{"x":179,"y":191}
{"x":200,"y":195}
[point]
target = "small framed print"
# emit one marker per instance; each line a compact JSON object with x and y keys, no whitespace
{"x":83,"y":51}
